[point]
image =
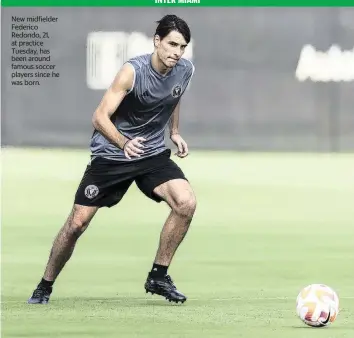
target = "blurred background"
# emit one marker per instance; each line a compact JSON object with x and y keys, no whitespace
{"x":250,"y":92}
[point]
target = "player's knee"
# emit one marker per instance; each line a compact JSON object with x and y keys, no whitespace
{"x":185,"y":205}
{"x":78,"y":223}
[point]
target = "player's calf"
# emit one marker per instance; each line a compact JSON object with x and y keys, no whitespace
{"x":62,"y":249}
{"x":175,"y":228}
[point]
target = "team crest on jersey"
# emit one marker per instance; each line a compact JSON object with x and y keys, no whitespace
{"x":176,"y":90}
{"x":91,"y":191}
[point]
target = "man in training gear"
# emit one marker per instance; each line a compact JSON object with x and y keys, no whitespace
{"x":128,"y":145}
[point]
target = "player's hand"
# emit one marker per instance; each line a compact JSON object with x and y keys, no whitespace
{"x":133,"y":148}
{"x":181,"y":145}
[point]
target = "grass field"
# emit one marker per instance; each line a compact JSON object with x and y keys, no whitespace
{"x":266,"y":225}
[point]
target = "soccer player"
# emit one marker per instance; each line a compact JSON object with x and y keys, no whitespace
{"x":127,"y":145}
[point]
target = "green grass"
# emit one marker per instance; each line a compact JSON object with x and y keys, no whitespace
{"x":266,"y":225}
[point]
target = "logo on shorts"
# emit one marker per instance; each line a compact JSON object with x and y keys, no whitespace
{"x":176,"y":90}
{"x":91,"y":191}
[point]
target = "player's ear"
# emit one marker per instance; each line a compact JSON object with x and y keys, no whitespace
{"x":156,"y":40}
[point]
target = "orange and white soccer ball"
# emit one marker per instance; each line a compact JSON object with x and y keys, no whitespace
{"x":317,"y":305}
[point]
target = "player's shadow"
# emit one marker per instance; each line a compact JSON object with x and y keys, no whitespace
{"x":121,"y":301}
{"x":332,"y":327}
{"x":307,"y":327}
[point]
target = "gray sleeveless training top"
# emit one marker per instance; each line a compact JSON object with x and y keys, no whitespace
{"x":146,"y":109}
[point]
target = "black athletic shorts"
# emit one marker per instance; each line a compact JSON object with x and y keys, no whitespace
{"x":106,"y":181}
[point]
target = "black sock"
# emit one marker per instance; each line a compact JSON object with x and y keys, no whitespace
{"x":46,"y":283}
{"x":158,"y":271}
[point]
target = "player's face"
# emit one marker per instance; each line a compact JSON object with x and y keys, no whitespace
{"x":171,"y":48}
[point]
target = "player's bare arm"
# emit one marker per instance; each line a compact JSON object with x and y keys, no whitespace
{"x":174,"y":133}
{"x":111,"y":100}
{"x":174,"y":121}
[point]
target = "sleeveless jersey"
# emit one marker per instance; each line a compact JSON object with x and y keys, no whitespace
{"x":146,"y":109}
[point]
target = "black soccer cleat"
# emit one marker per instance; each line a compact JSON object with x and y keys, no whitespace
{"x":165,"y":288}
{"x":40,"y":295}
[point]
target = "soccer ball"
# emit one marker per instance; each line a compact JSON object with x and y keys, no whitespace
{"x":317,"y":305}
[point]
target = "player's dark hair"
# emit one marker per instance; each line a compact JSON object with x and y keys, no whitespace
{"x":171,"y":23}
